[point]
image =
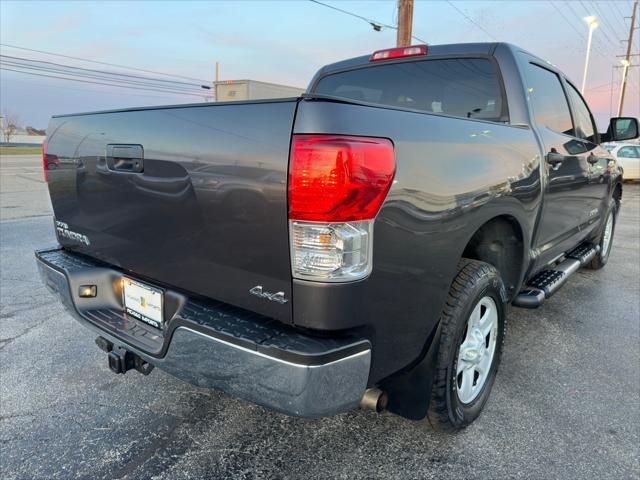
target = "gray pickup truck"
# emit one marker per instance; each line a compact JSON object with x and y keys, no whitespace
{"x":357,"y":245}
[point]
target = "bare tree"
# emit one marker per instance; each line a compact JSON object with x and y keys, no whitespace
{"x":9,"y":125}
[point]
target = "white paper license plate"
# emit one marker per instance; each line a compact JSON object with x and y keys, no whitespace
{"x":142,"y":302}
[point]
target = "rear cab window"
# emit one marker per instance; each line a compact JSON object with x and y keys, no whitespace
{"x":459,"y":87}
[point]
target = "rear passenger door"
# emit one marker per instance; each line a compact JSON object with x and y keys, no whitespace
{"x":566,"y":208}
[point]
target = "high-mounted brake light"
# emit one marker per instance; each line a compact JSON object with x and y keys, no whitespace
{"x":44,"y":160}
{"x":388,"y":54}
{"x":336,"y":186}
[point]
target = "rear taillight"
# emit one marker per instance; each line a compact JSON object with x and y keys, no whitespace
{"x":336,"y":187}
{"x":389,"y":53}
{"x":44,"y":160}
{"x":338,"y":178}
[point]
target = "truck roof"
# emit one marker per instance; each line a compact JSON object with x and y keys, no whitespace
{"x":482,"y":48}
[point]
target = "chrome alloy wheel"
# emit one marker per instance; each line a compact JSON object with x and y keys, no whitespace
{"x":608,"y":234}
{"x":477,"y":350}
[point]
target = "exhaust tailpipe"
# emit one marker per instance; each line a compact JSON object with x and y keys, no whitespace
{"x":374,"y":399}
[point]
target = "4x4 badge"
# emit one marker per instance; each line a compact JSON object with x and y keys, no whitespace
{"x":274,"y":297}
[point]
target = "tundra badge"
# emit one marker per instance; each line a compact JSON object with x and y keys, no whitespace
{"x":63,"y":231}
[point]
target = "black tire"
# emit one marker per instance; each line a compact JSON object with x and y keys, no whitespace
{"x":602,"y":257}
{"x":474,"y":281}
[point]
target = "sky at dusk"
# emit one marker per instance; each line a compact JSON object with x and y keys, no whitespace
{"x":286,"y":42}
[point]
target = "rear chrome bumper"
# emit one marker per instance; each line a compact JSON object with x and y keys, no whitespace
{"x":214,"y":345}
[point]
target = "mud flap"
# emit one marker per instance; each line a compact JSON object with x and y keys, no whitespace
{"x":410,"y":390}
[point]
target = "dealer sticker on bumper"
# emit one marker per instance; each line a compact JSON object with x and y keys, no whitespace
{"x":143,"y":302}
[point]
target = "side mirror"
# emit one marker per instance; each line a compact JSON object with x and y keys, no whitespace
{"x":622,"y":128}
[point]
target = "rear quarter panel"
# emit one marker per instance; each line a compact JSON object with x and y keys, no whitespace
{"x":452,"y":176}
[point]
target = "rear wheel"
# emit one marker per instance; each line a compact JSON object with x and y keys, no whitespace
{"x":473,"y":327}
{"x":606,"y":238}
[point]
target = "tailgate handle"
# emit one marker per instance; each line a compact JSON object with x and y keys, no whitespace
{"x":125,"y":158}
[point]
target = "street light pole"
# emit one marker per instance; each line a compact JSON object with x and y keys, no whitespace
{"x":593,"y":24}
{"x":625,"y":69}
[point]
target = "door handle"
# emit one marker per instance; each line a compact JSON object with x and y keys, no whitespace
{"x":554,"y":158}
{"x":125,"y":158}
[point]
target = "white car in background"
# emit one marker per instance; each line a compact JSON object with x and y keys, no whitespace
{"x":627,"y":157}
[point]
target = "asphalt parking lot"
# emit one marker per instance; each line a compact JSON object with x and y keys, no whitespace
{"x":566,"y":403}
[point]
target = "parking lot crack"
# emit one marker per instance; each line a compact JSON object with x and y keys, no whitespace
{"x":8,"y":340}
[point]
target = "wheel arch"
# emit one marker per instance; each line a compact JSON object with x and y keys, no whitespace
{"x":501,"y":241}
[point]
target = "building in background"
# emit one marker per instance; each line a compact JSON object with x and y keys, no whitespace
{"x":236,"y":90}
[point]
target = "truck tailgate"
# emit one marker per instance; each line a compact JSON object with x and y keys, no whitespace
{"x":193,"y":197}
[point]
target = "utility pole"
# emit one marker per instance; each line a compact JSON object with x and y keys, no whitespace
{"x":405,"y":21}
{"x":626,"y":61}
{"x":215,"y":84}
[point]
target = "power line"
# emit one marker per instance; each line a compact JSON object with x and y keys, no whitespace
{"x":111,"y":81}
{"x":374,"y":23}
{"x":615,"y":4}
{"x":603,"y":21}
{"x":27,"y":62}
{"x":597,"y":45}
{"x":92,"y":90}
{"x":567,"y":20}
{"x":597,"y":87}
{"x":98,"y":83}
{"x":472,"y":21}
{"x":604,"y":54}
{"x":610,"y":27}
{"x":107,"y":72}
{"x":368,"y":20}
{"x":93,"y":77}
{"x":104,"y":63}
{"x":619,"y":17}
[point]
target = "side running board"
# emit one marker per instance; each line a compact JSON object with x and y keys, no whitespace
{"x":547,"y":282}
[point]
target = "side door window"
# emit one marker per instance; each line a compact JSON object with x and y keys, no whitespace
{"x":548,"y":101}
{"x":584,"y":127}
{"x":627,"y":152}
